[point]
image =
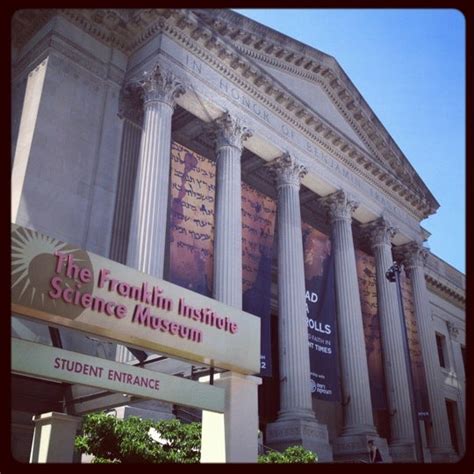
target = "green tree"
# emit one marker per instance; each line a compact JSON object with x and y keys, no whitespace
{"x":133,"y":440}
{"x":293,"y":454}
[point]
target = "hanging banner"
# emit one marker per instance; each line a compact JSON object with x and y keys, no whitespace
{"x":373,"y":345}
{"x":321,"y":314}
{"x":191,"y":238}
{"x":258,"y":225}
{"x":191,"y":220}
{"x":416,"y":355}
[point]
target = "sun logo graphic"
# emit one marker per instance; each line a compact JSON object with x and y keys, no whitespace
{"x":33,"y":265}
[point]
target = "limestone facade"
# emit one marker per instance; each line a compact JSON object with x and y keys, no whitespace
{"x":97,"y":98}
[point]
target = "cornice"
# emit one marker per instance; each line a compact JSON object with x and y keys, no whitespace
{"x":445,"y":281}
{"x":25,"y":23}
{"x":445,"y":289}
{"x":288,"y":54}
{"x":202,"y":40}
{"x":114,"y":27}
{"x":53,"y":41}
{"x":225,"y":44}
{"x":123,"y":29}
{"x":313,"y":77}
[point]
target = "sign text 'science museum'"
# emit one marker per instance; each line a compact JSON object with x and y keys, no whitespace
{"x":63,"y":285}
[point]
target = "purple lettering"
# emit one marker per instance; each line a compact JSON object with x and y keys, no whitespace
{"x":120,"y":311}
{"x":86,"y":300}
{"x":109,"y":308}
{"x":174,"y":329}
{"x":67,"y":295}
{"x":61,"y":260}
{"x":123,"y":289}
{"x":85,"y":275}
{"x":103,"y":277}
{"x":56,"y":284}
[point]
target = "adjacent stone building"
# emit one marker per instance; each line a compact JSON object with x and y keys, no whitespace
{"x":134,"y":130}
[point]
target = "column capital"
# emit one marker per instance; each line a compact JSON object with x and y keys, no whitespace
{"x":287,"y":171}
{"x":131,"y":103}
{"x":339,"y":206}
{"x":412,"y":255}
{"x":160,"y":85}
{"x":379,"y":232}
{"x":227,"y":130}
{"x":453,"y":330}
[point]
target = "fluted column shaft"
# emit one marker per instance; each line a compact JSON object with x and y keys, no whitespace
{"x":392,"y":332}
{"x":295,"y":393}
{"x":413,"y":256}
{"x":229,"y":135}
{"x":125,"y":188}
{"x":146,"y":249}
{"x":357,"y":402}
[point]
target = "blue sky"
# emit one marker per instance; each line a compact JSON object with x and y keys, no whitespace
{"x":409,"y":64}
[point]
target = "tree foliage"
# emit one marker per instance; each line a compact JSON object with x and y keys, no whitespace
{"x":293,"y":454}
{"x":134,"y":440}
{"x":112,"y":440}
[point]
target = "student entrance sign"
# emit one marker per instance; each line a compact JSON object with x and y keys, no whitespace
{"x":60,"y":284}
{"x":29,"y":358}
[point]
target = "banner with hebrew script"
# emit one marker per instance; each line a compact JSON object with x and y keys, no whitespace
{"x":416,"y":356}
{"x":258,"y":226}
{"x":373,"y":344}
{"x":191,"y":238}
{"x":191,"y":220}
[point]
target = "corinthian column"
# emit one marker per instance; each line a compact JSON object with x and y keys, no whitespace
{"x":296,"y":423}
{"x":358,"y":421}
{"x":413,"y":257}
{"x":295,"y":394}
{"x":402,"y":440}
{"x":240,"y":418}
{"x":146,"y":248}
{"x":229,"y":135}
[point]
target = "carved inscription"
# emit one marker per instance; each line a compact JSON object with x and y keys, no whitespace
{"x":236,"y":94}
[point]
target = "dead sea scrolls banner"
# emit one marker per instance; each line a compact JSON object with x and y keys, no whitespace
{"x":191,"y":238}
{"x":321,"y":314}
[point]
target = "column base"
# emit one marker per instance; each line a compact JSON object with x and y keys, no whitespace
{"x":353,"y":448}
{"x":443,"y":454}
{"x":304,"y":432}
{"x":295,"y":415}
{"x":403,"y":451}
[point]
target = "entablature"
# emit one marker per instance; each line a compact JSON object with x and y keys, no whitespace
{"x":234,"y":44}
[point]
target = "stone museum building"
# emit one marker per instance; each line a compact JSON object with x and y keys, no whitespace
{"x":210,"y":151}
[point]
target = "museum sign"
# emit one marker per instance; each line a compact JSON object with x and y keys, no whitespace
{"x":62,"y":285}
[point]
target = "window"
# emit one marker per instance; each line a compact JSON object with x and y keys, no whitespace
{"x":441,"y":344}
{"x":463,"y":352}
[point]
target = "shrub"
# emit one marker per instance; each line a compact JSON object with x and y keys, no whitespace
{"x":133,"y":440}
{"x":293,"y":454}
